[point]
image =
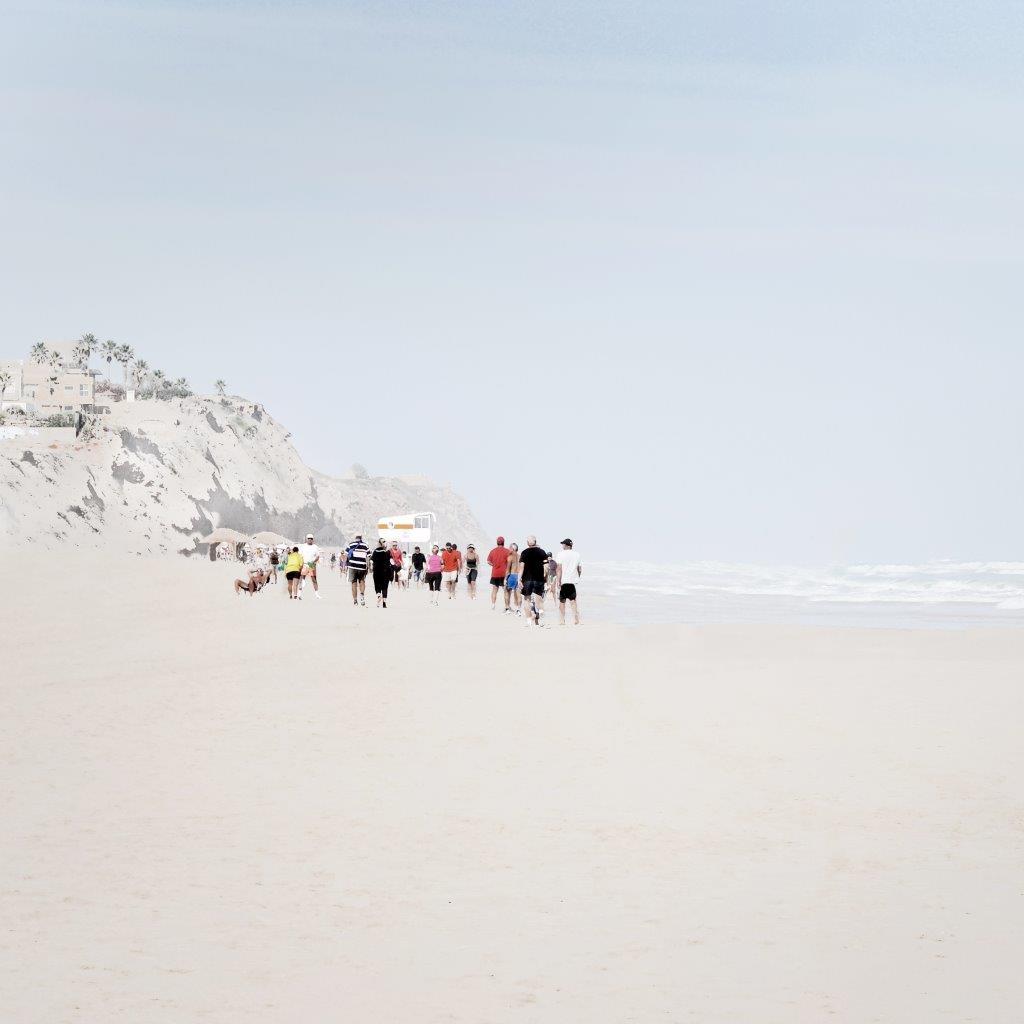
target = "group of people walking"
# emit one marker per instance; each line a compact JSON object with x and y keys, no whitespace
{"x":522,"y":578}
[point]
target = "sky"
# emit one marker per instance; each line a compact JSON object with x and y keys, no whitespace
{"x":734,"y":281}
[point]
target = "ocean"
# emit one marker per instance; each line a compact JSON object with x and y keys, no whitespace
{"x":933,"y":595}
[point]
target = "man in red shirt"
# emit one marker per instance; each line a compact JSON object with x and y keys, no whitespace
{"x":450,"y":559}
{"x":498,"y":561}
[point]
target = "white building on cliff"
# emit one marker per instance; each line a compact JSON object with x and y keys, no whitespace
{"x":47,"y":389}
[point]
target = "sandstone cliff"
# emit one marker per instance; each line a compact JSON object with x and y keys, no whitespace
{"x":156,"y":476}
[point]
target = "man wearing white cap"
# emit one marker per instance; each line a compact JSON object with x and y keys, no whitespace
{"x":570,"y":569}
{"x":310,"y":556}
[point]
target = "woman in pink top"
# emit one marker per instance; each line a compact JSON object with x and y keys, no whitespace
{"x":434,"y":573}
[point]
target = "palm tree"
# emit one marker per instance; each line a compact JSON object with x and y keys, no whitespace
{"x":5,"y":379}
{"x":55,"y":360}
{"x":159,"y":377}
{"x":221,"y":387}
{"x":181,"y":388}
{"x":108,"y":351}
{"x":125,"y":354}
{"x":139,"y":373}
{"x":84,"y":349}
{"x":40,"y":353}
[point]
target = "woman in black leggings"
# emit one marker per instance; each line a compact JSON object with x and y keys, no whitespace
{"x":434,"y":573}
{"x":382,"y":569}
{"x":472,"y":570}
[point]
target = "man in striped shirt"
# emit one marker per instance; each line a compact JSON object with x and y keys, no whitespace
{"x":357,"y":555}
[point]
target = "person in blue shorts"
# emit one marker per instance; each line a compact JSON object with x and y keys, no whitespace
{"x":512,"y":577}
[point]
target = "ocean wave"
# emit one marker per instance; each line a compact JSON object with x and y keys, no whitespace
{"x":998,"y":584}
{"x":953,"y":569}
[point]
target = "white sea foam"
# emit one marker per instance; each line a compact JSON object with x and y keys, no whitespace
{"x":950,"y":591}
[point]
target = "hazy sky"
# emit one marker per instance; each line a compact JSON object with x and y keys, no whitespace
{"x":725,"y":280}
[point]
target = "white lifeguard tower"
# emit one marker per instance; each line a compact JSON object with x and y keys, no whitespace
{"x":409,"y":529}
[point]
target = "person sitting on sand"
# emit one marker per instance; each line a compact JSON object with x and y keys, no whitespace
{"x":257,"y":581}
{"x":262,"y":562}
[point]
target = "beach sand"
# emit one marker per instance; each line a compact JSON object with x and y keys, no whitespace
{"x":227,"y":809}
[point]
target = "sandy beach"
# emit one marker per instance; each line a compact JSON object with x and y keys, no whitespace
{"x":227,"y":809}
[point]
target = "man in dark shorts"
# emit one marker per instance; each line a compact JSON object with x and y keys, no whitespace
{"x":570,"y":569}
{"x":534,"y":561}
{"x":418,"y":561}
{"x":498,"y":561}
{"x":356,"y":555}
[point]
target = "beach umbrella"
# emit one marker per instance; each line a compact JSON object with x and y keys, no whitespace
{"x":224,"y":535}
{"x":269,"y":537}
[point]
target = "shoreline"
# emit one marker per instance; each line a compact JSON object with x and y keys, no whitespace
{"x":244,"y":809}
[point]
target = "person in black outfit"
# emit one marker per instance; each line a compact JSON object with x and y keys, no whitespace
{"x":472,"y":570}
{"x":534,"y":562}
{"x":418,"y":561}
{"x":380,"y":560}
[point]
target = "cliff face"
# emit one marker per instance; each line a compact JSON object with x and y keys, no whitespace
{"x":156,"y":476}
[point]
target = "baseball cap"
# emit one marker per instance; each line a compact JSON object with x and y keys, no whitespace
{"x":567,"y":542}
{"x":501,"y":540}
